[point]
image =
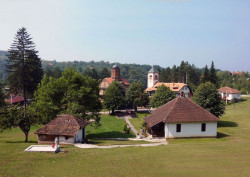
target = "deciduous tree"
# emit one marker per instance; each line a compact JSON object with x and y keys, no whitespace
{"x":72,"y":93}
{"x":162,"y":95}
{"x":114,"y":97}
{"x":207,"y":96}
{"x":136,"y":95}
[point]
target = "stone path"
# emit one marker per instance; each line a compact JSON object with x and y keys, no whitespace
{"x":126,"y":118}
{"x":89,"y":146}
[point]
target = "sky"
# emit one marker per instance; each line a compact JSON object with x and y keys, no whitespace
{"x":154,"y":32}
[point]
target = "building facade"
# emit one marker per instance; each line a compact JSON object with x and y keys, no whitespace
{"x":181,"y":118}
{"x":115,"y":76}
{"x":180,"y":89}
{"x":228,"y":93}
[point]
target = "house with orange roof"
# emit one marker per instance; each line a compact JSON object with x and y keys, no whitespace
{"x":115,"y":76}
{"x":180,"y":89}
{"x":228,"y":93}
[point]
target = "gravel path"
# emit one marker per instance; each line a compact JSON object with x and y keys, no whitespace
{"x":126,"y":118}
{"x":89,"y":146}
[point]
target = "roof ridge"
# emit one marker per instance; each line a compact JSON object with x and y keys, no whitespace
{"x":172,"y":108}
{"x":202,"y":108}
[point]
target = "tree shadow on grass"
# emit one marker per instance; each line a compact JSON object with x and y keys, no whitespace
{"x":221,"y":135}
{"x":20,"y":142}
{"x":227,"y":124}
{"x":113,"y":134}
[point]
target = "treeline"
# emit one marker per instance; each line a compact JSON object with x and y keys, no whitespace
{"x":185,"y":72}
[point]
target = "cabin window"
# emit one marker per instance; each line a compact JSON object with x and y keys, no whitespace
{"x":178,"y":127}
{"x":203,"y":127}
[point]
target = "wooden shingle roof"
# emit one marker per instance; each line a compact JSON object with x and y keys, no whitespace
{"x":64,"y":124}
{"x":180,"y":110}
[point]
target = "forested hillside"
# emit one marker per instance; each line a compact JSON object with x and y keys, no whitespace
{"x":185,"y":72}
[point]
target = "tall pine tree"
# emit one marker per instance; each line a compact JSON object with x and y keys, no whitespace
{"x":205,"y":77}
{"x":24,"y":65}
{"x":212,"y":75}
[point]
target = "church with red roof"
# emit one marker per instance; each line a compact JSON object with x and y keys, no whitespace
{"x":115,"y":76}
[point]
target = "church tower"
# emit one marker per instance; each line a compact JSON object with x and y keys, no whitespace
{"x":115,"y":72}
{"x":153,"y":77}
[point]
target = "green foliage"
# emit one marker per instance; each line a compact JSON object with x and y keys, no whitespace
{"x":114,"y":97}
{"x":105,"y":73}
{"x":2,"y":102}
{"x":212,"y":76}
{"x":136,"y":96}
{"x":208,"y":97}
{"x":72,"y":93}
{"x":205,"y":77}
{"x":24,"y":65}
{"x":162,"y":96}
{"x":126,"y":128}
{"x":183,"y":73}
{"x":16,"y":116}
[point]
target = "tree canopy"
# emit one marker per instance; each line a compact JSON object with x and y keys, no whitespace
{"x":162,"y":96}
{"x":114,"y":96}
{"x":24,"y":65}
{"x":207,"y":96}
{"x":136,"y":96}
{"x":72,"y":93}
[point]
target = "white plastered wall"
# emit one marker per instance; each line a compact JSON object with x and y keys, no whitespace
{"x":190,"y":130}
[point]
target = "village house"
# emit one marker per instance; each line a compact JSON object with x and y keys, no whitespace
{"x":181,"y":118}
{"x":229,"y":93}
{"x":66,"y":127}
{"x":180,"y":89}
{"x":115,"y":76}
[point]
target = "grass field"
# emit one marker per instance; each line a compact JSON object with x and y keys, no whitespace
{"x":111,"y":127}
{"x":228,"y":155}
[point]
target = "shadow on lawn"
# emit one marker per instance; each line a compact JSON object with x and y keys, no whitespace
{"x":227,"y":124}
{"x":221,"y":135}
{"x":113,"y":134}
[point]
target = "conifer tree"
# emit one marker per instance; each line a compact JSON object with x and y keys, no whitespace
{"x":24,"y":65}
{"x":212,"y":75}
{"x":205,"y":77}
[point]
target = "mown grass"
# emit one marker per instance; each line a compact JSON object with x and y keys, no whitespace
{"x":228,"y":155}
{"x":111,"y":127}
{"x":137,"y":122}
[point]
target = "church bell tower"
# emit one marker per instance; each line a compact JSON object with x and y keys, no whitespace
{"x":153,"y":77}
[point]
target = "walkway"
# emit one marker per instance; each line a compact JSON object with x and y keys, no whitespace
{"x":89,"y":146}
{"x":126,"y":118}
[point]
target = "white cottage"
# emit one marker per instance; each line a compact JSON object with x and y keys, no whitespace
{"x":66,"y":127}
{"x":229,"y":93}
{"x":181,"y":118}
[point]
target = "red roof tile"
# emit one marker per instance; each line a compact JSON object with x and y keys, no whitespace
{"x":15,"y":99}
{"x":180,"y":110}
{"x":228,"y":90}
{"x":124,"y":81}
{"x":64,"y":124}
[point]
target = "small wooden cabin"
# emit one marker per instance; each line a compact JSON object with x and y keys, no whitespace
{"x":66,"y":127}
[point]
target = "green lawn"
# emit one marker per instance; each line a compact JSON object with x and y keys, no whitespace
{"x":228,"y":155}
{"x":111,"y":127}
{"x":137,"y":122}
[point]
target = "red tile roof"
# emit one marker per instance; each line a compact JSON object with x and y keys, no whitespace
{"x":228,"y":90}
{"x":180,"y":110}
{"x":124,"y":81}
{"x":64,"y":124}
{"x":15,"y":99}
